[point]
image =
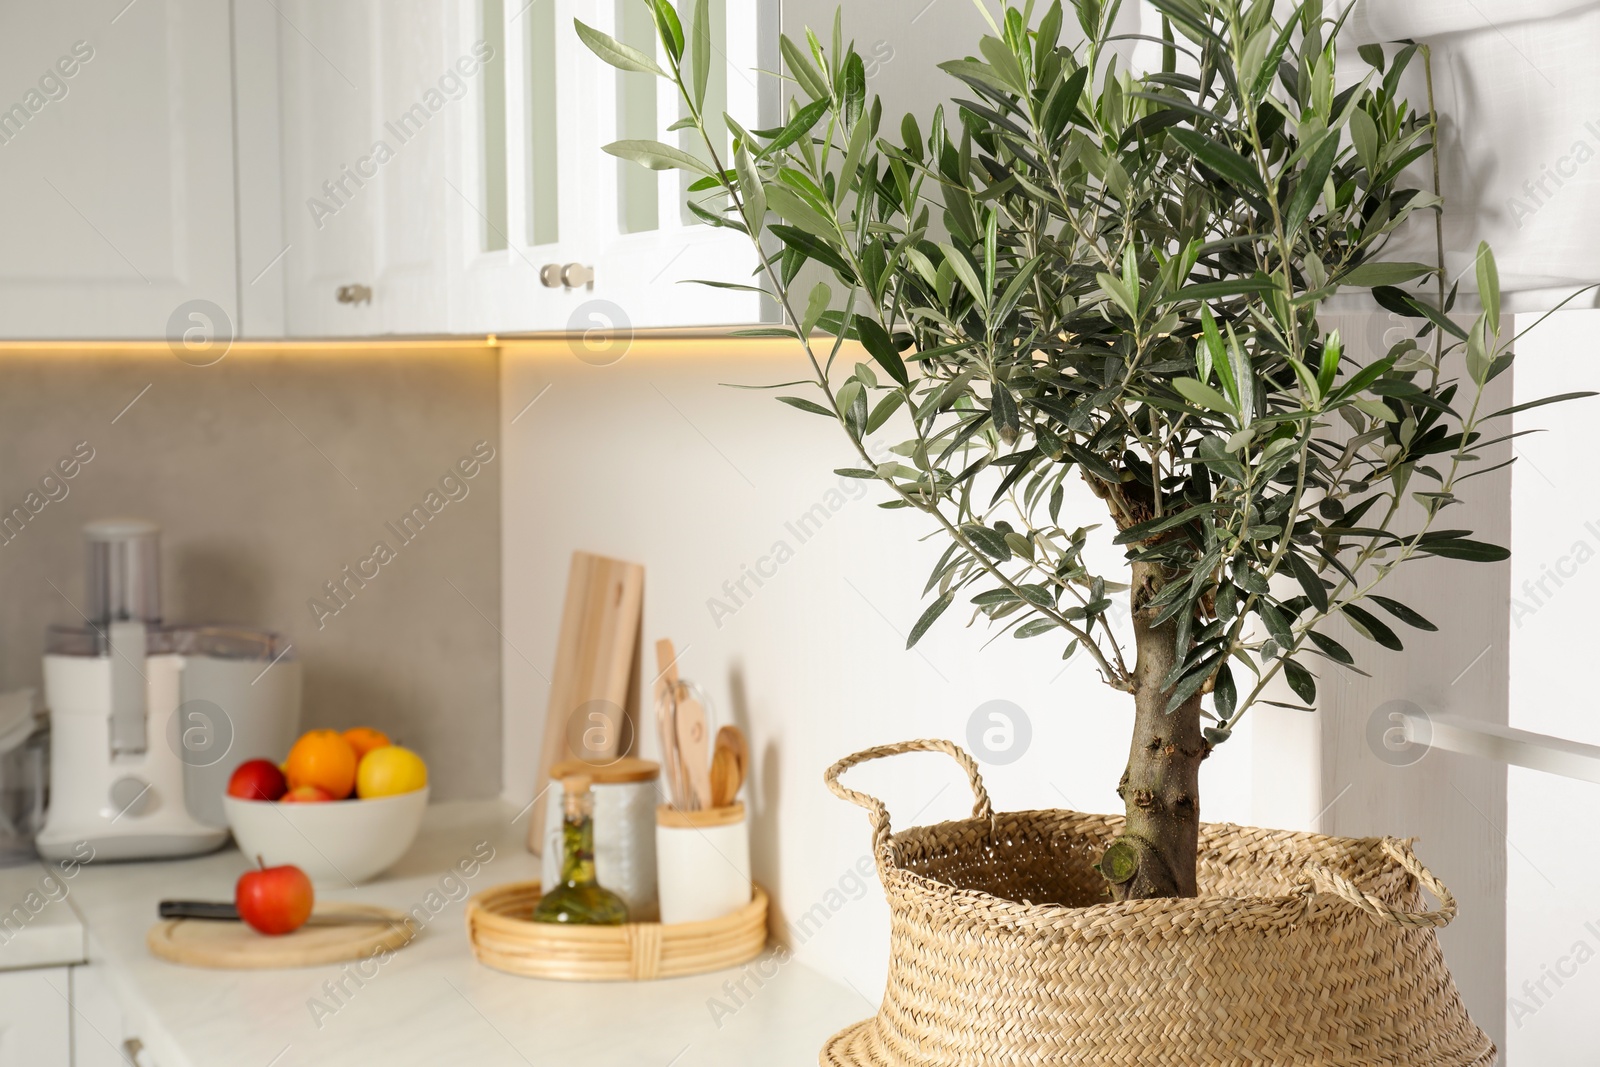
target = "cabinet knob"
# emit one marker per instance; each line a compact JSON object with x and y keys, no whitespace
{"x":354,"y":294}
{"x":568,"y":276}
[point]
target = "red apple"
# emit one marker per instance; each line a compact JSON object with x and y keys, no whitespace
{"x":257,"y":779}
{"x":274,"y":900}
{"x":307,"y":794}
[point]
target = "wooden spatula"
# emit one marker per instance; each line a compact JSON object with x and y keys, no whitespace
{"x":666,"y":697}
{"x":694,"y":749}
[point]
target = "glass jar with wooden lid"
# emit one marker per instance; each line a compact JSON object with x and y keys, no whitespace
{"x":625,"y":797}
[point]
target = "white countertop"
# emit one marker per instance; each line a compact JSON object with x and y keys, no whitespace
{"x":38,"y":928}
{"x":433,"y":1003}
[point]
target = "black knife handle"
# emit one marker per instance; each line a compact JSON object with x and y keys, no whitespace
{"x":199,"y":909}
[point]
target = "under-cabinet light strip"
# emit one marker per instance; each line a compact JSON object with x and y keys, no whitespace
{"x":645,"y":339}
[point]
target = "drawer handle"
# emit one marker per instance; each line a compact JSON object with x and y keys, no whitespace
{"x":354,"y":294}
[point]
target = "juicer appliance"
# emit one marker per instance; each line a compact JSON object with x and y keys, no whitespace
{"x":149,"y":719}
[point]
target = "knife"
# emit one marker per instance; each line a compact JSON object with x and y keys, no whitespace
{"x":221,"y":911}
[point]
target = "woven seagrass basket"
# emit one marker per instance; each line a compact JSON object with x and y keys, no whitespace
{"x":1300,"y":950}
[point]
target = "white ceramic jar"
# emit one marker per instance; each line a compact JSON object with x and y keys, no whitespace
{"x":703,"y":862}
{"x":625,"y":799}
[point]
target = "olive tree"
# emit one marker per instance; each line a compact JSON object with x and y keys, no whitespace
{"x":1081,"y":271}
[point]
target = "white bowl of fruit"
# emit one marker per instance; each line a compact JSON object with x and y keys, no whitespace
{"x":342,"y":807}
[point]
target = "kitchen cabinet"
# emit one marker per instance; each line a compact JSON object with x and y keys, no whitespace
{"x":552,"y":233}
{"x":444,"y":169}
{"x":35,"y":1017}
{"x":443,"y":172}
{"x":99,"y":1033}
{"x":116,"y":166}
{"x":370,"y":92}
{"x":323,"y":168}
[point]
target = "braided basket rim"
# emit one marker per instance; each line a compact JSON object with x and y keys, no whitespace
{"x":1360,"y":858}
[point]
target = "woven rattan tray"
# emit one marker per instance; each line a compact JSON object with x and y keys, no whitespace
{"x":503,"y":937}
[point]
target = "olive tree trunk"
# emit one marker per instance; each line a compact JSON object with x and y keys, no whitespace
{"x":1155,"y":856}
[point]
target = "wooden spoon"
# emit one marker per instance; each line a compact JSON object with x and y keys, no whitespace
{"x":724,"y":777}
{"x":733,"y":740}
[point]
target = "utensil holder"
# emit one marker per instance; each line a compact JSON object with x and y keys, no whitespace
{"x":702,"y":862}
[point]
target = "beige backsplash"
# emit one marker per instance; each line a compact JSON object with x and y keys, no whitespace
{"x":271,"y":473}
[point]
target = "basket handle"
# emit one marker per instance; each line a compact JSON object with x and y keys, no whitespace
{"x":1322,"y":880}
{"x":876,"y":812}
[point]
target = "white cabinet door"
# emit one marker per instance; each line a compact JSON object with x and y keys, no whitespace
{"x":511,"y":208}
{"x":645,"y":260}
{"x":35,"y":1018}
{"x":371,"y":93}
{"x":98,"y":1034}
{"x":100,"y":1031}
{"x":116,"y":166}
{"x":563,"y":203}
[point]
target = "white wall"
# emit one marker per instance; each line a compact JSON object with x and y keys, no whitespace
{"x":1331,"y":772}
{"x":1553,"y":919}
{"x":902,"y":42}
{"x":652,"y":460}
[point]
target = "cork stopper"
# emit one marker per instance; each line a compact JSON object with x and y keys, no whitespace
{"x":576,"y":800}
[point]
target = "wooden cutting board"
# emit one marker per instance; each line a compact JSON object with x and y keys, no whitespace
{"x":595,"y":658}
{"x":234,"y":946}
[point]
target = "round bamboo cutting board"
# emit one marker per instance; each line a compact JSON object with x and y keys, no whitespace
{"x":235,"y":946}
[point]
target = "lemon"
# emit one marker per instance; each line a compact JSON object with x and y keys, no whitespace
{"x":387,"y":771}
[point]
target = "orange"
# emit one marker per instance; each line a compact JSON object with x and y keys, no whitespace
{"x":389,"y":771}
{"x":364,"y":739}
{"x":324,"y":759}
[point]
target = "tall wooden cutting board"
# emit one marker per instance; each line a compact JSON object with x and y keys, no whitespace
{"x":595,"y":657}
